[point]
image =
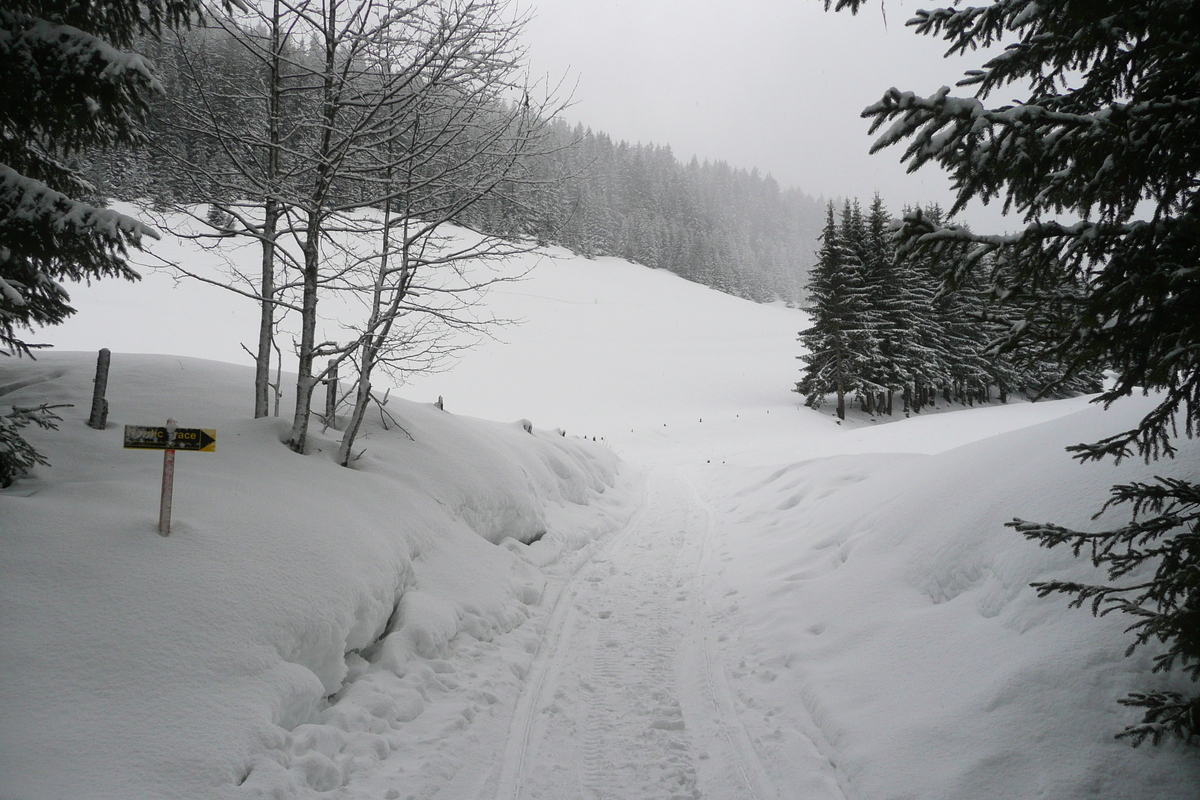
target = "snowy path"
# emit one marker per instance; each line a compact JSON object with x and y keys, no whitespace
{"x":626,"y":698}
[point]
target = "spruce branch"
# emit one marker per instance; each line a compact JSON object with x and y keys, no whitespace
{"x":17,"y":456}
{"x":1163,"y":535}
{"x":1167,"y":714}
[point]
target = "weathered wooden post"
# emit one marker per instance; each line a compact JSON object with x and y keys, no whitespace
{"x":99,"y":417}
{"x":331,"y":392}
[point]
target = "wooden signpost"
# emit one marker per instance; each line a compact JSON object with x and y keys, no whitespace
{"x":169,"y":438}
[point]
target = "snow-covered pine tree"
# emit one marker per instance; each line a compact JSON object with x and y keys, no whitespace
{"x":866,"y":317}
{"x":840,"y":342}
{"x":903,"y":290}
{"x":959,"y":317}
{"x":1032,"y":368}
{"x":67,"y":82}
{"x":64,"y":85}
{"x":890,"y":293}
{"x":1107,"y":134}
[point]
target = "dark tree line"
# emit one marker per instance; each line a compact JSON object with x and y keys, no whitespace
{"x":886,"y":328}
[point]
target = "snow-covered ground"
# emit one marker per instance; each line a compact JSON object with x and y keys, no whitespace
{"x":726,"y":596}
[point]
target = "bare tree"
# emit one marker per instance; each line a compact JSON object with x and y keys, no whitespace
{"x":423,"y":113}
{"x":236,"y":77}
{"x":375,"y":124}
{"x":449,"y":141}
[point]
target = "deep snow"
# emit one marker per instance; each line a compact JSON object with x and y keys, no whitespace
{"x":138,"y":666}
{"x":751,"y":601}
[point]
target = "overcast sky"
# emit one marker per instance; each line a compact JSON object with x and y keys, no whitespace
{"x":773,"y":84}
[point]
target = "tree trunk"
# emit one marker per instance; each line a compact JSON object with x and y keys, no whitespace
{"x":308,"y":336}
{"x":314,"y":230}
{"x":331,"y":395}
{"x":362,"y":398}
{"x":841,"y":390}
{"x":380,"y":321}
{"x":266,"y":325}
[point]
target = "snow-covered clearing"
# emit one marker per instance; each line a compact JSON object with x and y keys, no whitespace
{"x":728,"y":596}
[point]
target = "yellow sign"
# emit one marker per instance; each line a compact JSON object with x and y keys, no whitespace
{"x":158,"y":437}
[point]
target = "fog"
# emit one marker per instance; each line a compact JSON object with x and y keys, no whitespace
{"x":773,"y":84}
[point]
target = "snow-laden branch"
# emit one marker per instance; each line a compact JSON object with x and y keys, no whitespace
{"x":31,"y":200}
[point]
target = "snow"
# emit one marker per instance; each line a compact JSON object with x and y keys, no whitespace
{"x":171,"y":667}
{"x":32,"y":199}
{"x":922,"y":651}
{"x":725,"y":595}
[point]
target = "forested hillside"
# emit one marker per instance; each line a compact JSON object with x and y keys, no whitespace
{"x":733,"y":229}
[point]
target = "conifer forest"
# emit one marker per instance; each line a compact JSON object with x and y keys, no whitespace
{"x":887,"y":332}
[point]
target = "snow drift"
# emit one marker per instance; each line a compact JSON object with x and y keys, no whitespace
{"x":881,"y":609}
{"x":293,"y":615}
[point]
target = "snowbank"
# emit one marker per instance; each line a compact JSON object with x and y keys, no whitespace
{"x":878,"y":605}
{"x":296,"y":620}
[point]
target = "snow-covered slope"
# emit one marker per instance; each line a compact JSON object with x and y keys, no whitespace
{"x":844,"y":609}
{"x":295,"y":603}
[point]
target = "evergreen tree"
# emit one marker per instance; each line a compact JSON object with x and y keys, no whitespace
{"x":67,"y":83}
{"x":863,"y":317}
{"x":733,"y":230}
{"x":1107,"y":132}
{"x":883,"y":292}
{"x":839,"y":342}
{"x":65,"y":86}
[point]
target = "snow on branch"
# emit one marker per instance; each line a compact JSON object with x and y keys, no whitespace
{"x":31,"y":200}
{"x":75,"y":44}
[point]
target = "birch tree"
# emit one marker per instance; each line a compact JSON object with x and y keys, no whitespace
{"x":408,"y":122}
{"x":239,"y":111}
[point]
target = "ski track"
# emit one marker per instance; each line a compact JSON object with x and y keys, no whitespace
{"x":627,"y":698}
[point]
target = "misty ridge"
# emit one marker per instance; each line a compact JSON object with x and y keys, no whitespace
{"x":733,"y":229}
